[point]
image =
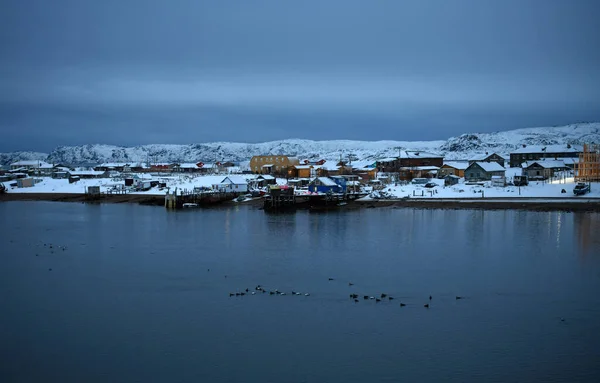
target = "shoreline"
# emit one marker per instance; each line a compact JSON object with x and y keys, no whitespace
{"x":512,"y":203}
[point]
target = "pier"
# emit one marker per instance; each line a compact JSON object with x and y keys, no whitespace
{"x":196,"y":197}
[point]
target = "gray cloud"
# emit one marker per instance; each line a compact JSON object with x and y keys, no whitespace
{"x":124,"y":71}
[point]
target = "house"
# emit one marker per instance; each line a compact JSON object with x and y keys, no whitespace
{"x":265,"y":179}
{"x":365,"y":170}
{"x":82,"y":174}
{"x":483,"y":171}
{"x":409,"y":159}
{"x":162,"y":167}
{"x":28,"y":166}
{"x":412,"y":158}
{"x":123,"y":167}
{"x":304,"y":171}
{"x":542,"y":169}
{"x":324,"y":185}
{"x":494,"y":157}
{"x":272,"y":164}
{"x":235,"y":184}
{"x":537,"y":152}
{"x":341,"y":181}
{"x":455,"y":168}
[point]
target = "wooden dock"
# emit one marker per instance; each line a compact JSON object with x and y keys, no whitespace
{"x":177,"y":200}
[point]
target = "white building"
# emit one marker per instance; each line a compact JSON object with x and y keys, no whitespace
{"x":233,"y":184}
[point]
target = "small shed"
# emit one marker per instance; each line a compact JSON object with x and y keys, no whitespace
{"x":93,"y":190}
{"x":25,"y":182}
{"x":451,"y":179}
{"x":324,"y":185}
{"x":499,"y":181}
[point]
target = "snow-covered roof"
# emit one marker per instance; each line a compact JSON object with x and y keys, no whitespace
{"x":85,"y":172}
{"x":30,"y":163}
{"x":483,"y":156}
{"x":330,"y":166}
{"x":267,"y":166}
{"x":457,"y":164}
{"x":266,"y":177}
{"x":188,"y":166}
{"x":490,"y":166}
{"x":546,"y":164}
{"x":299,"y":167}
{"x":388,"y":159}
{"x":326,"y":181}
{"x":548,"y":149}
{"x":570,"y":160}
{"x":236,"y":180}
{"x":419,"y":154}
{"x":363,"y":164}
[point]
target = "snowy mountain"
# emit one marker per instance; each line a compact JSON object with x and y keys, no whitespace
{"x":461,"y":147}
{"x":8,"y":158}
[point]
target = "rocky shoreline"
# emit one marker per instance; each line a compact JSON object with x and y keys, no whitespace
{"x":536,"y":204}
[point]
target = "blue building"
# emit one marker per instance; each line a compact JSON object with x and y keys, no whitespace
{"x":325,"y":185}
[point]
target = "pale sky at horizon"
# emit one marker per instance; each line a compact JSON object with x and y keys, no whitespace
{"x":137,"y":72}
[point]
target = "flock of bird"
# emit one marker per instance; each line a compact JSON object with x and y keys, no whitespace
{"x":355,"y":297}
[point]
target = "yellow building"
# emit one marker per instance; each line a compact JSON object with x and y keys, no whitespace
{"x":271,"y":164}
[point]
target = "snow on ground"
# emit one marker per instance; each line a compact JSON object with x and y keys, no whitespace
{"x":461,"y":191}
{"x":181,"y":182}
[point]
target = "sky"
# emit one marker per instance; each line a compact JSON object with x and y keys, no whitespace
{"x":131,"y":72}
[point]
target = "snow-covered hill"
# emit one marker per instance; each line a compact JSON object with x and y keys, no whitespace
{"x":461,"y":147}
{"x":8,"y":158}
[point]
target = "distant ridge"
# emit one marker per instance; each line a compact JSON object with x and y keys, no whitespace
{"x":461,"y":147}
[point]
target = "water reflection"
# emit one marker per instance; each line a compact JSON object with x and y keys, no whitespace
{"x":587,"y":232}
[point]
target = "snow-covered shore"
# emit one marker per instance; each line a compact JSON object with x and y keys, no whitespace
{"x":461,"y":191}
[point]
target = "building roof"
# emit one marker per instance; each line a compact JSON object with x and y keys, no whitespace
{"x":419,"y":154}
{"x":539,"y":149}
{"x":546,"y":164}
{"x":267,"y":165}
{"x":364,"y":164}
{"x":457,"y":165}
{"x":326,"y":181}
{"x":489,"y":166}
{"x":389,"y":159}
{"x":266,"y":177}
{"x":484,"y":156}
{"x":236,"y":180}
{"x":86,"y":172}
{"x":30,"y":163}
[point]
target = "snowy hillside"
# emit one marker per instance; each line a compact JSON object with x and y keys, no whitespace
{"x":462,"y":147}
{"x":8,"y":158}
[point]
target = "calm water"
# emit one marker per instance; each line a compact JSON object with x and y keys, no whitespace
{"x":132,"y":299}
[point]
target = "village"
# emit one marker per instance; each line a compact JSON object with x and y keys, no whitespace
{"x":282,"y":181}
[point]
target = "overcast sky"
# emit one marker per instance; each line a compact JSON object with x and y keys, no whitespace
{"x":140,"y":71}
